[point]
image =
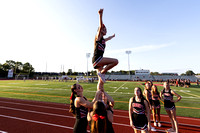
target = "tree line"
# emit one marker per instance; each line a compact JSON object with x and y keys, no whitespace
{"x":17,"y":67}
{"x":27,"y":68}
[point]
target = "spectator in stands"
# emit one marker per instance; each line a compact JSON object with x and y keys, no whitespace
{"x":197,"y":82}
{"x":79,"y":107}
{"x":139,"y":113}
{"x":99,"y":46}
{"x":177,"y":82}
{"x":156,"y":105}
{"x":170,"y":106}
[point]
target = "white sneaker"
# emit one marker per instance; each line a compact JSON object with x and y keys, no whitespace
{"x":153,"y":129}
{"x":155,"y":124}
{"x":159,"y":124}
{"x":102,"y":76}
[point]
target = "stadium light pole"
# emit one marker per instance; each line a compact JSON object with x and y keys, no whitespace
{"x":128,"y":52}
{"x":87,"y":55}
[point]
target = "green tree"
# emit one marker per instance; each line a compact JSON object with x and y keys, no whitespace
{"x":18,"y":67}
{"x":155,"y":73}
{"x":189,"y":73}
{"x":11,"y":63}
{"x":28,"y":68}
{"x":69,"y":72}
{"x":6,"y":67}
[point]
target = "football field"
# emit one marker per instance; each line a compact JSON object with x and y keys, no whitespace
{"x":59,"y":92}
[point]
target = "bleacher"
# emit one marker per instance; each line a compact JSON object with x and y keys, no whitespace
{"x":149,"y":77}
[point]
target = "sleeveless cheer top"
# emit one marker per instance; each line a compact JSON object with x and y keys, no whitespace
{"x":168,"y":96}
{"x":139,"y":117}
{"x":138,"y":107}
{"x":99,"y":48}
{"x":81,"y":122}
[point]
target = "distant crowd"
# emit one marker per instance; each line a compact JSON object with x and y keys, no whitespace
{"x":181,"y":82}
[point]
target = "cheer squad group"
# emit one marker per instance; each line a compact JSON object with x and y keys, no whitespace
{"x":98,"y":114}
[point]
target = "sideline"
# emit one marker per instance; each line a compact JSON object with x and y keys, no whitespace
{"x":88,"y":98}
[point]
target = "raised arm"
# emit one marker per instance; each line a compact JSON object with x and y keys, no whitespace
{"x":98,"y":36}
{"x":109,"y":98}
{"x":81,"y":101}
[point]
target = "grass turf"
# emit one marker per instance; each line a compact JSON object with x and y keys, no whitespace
{"x":54,"y":91}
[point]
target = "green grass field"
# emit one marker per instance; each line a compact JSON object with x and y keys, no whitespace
{"x":54,"y":91}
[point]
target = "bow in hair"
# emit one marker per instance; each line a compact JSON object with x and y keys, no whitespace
{"x":71,"y":96}
{"x":95,"y":117}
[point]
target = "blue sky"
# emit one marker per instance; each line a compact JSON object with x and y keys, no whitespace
{"x":163,"y":35}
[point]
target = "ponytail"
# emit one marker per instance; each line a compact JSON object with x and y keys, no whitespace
{"x":99,"y":118}
{"x":72,"y":98}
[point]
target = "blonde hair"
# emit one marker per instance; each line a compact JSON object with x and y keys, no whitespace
{"x":154,"y":90}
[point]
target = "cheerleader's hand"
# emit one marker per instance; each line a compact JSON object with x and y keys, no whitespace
{"x":149,"y":127}
{"x":100,"y":11}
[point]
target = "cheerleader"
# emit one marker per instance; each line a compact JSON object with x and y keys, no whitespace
{"x":155,"y":105}
{"x":170,"y":106}
{"x":139,"y":113}
{"x":99,"y":47}
{"x":79,"y":107}
{"x":148,"y":95}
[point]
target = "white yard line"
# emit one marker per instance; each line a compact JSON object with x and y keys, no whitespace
{"x":120,"y":87}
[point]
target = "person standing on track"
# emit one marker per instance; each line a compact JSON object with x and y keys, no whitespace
{"x":148,"y":95}
{"x":99,"y":47}
{"x":169,"y":105}
{"x":139,"y":114}
{"x":79,"y":107}
{"x":156,"y":105}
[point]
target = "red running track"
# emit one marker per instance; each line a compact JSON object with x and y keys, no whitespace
{"x":25,"y":116}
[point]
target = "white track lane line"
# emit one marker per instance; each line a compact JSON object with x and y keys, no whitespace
{"x":3,"y":132}
{"x":51,"y":114}
{"x":43,"y":113}
{"x":33,"y":121}
{"x":195,"y":119}
{"x":49,"y":107}
{"x":114,"y":115}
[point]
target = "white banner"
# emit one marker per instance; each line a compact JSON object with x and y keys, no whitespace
{"x":10,"y":73}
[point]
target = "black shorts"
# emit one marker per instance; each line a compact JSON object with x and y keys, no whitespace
{"x":151,"y":102}
{"x":80,"y":125}
{"x":140,"y":121}
{"x":156,"y":103}
{"x":169,"y":105}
